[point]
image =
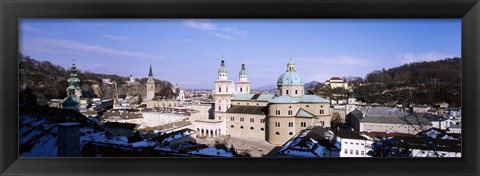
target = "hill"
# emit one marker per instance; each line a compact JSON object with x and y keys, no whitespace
{"x":48,"y":81}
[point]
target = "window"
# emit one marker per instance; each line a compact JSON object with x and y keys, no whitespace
{"x":262,"y":120}
{"x":241,"y":89}
{"x":351,"y":152}
{"x":251,"y":128}
{"x":356,"y":143}
{"x":289,"y":106}
{"x":290,"y":124}
{"x":227,"y":89}
{"x":238,"y":103}
{"x":219,"y":108}
{"x":322,"y":111}
{"x":362,"y":152}
{"x":321,"y":106}
{"x":241,"y":119}
{"x":356,"y":152}
{"x":277,"y":133}
{"x":290,"y":112}
{"x":277,"y":112}
{"x":258,"y":104}
{"x":252,"y":120}
{"x":346,"y":151}
{"x":362,"y":144}
{"x":307,"y":106}
{"x":219,"y":89}
{"x":287,"y":92}
{"x":277,"y":124}
{"x":351,"y":143}
{"x":241,"y":127}
{"x":303,"y":124}
{"x":296,"y":92}
{"x":232,"y":118}
{"x":232,"y":126}
{"x":322,"y":123}
{"x":248,"y":103}
{"x":262,"y":129}
{"x":346,"y":142}
{"x":291,"y":133}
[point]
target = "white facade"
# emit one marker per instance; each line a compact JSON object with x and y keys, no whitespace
{"x":354,"y":147}
{"x":153,"y":119}
{"x":150,"y":86}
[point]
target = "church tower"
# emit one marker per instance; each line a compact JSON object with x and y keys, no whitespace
{"x":290,"y":83}
{"x":150,"y":85}
{"x":222,"y":95}
{"x":72,"y":101}
{"x":243,"y":85}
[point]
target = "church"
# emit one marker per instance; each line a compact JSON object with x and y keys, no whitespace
{"x":154,"y":101}
{"x":271,"y":117}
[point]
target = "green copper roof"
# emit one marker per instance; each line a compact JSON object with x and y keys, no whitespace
{"x":290,"y":78}
{"x":243,"y":71}
{"x":70,"y":101}
{"x":283,"y":99}
{"x":222,"y":68}
{"x":312,"y":99}
{"x":303,"y":113}
{"x":150,"y":73}
{"x":71,"y":87}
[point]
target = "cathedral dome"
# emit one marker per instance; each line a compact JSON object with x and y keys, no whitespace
{"x":70,"y":102}
{"x":290,"y":78}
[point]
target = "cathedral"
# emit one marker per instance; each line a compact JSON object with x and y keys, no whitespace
{"x":271,"y":117}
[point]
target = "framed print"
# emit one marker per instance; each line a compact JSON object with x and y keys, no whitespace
{"x":220,"y":87}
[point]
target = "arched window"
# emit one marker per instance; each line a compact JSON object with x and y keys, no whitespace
{"x":262,"y":129}
{"x":232,"y":126}
{"x":296,"y":92}
{"x":277,"y":112}
{"x":290,"y":112}
{"x":290,"y":133}
{"x":251,"y":128}
{"x":219,"y":89}
{"x":241,"y":89}
{"x":241,"y":127}
{"x":322,"y":111}
{"x":287,"y":92}
{"x":277,"y":133}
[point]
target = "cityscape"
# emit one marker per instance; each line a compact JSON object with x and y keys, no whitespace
{"x":83,"y":100}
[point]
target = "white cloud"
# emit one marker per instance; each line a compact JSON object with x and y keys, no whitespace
{"x":200,"y":24}
{"x":221,"y":32}
{"x":79,"y":47}
{"x":221,"y":35}
{"x":233,"y":31}
{"x":33,"y":29}
{"x":115,"y":37}
{"x":419,"y":57}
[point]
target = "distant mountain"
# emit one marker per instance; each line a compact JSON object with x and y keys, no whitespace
{"x":266,"y":87}
{"x":310,"y":84}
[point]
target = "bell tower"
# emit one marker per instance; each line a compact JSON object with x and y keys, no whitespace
{"x":150,"y":85}
{"x":243,"y":85}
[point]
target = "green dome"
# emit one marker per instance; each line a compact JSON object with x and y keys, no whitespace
{"x":243,"y":71}
{"x":73,"y":80}
{"x":290,"y":78}
{"x":71,"y":87}
{"x":222,"y":68}
{"x":70,"y":101}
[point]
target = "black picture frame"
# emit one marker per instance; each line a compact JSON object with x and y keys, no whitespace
{"x":11,"y":11}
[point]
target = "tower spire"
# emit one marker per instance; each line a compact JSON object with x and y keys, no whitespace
{"x":150,"y":73}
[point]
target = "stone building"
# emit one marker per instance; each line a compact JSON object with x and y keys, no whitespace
{"x":154,"y":101}
{"x":270,"y":117}
{"x":336,"y":82}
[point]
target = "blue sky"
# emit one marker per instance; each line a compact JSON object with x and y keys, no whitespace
{"x":188,"y":51}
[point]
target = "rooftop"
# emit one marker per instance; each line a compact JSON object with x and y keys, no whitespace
{"x":239,"y":109}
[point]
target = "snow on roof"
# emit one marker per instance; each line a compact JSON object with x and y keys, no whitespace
{"x":143,"y":144}
{"x":212,"y":151}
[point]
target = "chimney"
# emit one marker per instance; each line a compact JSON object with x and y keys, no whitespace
{"x":68,"y":143}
